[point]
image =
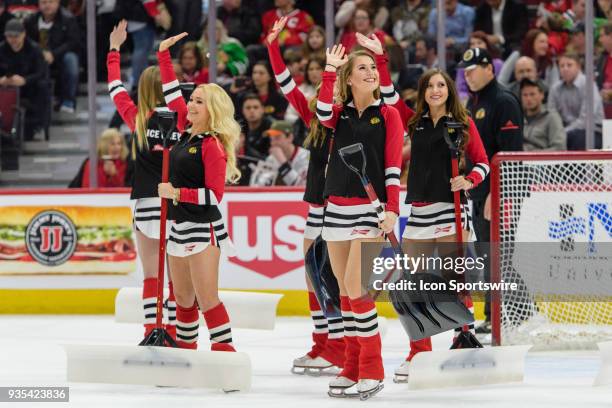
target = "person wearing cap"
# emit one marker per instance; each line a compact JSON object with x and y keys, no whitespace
{"x":56,"y":31}
{"x":499,"y":119}
{"x":286,"y":164}
{"x":22,"y":65}
{"x":543,"y":127}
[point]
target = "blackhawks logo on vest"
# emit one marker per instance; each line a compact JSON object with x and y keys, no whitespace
{"x":193,"y":150}
{"x":375,"y":121}
{"x":480,"y":113}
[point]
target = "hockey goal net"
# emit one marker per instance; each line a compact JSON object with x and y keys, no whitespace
{"x":551,"y":234}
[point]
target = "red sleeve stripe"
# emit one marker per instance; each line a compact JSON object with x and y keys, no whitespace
{"x":116,"y":87}
{"x":287,"y":84}
{"x":390,"y":97}
{"x":482,"y":169}
{"x":392,"y":176}
{"x":324,"y":110}
{"x":171,"y":91}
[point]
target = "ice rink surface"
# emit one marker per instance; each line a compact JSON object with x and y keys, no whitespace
{"x":31,"y":355}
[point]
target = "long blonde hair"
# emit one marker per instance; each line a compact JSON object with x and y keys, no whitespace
{"x":316,"y":131}
{"x":150,"y":95}
{"x":344,"y":90}
{"x":221,"y":113}
{"x":106,"y":138}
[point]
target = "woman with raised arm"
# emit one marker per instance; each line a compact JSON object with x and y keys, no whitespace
{"x":350,"y":219}
{"x":143,"y":121}
{"x":328,"y":334}
{"x":430,"y":181}
{"x":200,"y":165}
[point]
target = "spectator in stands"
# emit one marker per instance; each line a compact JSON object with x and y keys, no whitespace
{"x":459,"y":23}
{"x":5,"y":16}
{"x":478,"y":39}
{"x":262,"y":84}
{"x":577,"y":13}
{"x":231,"y":56}
{"x":57,"y":33}
{"x":297,"y":27}
{"x":577,"y":41}
{"x":409,"y":20}
{"x":22,"y":65}
{"x":504,"y":21}
{"x":543,"y":128}
{"x":604,"y":9}
{"x":567,"y":97}
{"x":192,"y":64}
{"x":295,"y":64}
{"x":286,"y":163}
{"x":312,"y":79}
{"x":242,"y":22}
{"x":315,"y":43}
{"x":185,"y":16}
{"x":525,"y":68}
{"x":142,"y":17}
{"x":536,"y":47}
{"x":255,"y":124}
{"x":376,"y":8}
{"x":362,"y":23}
{"x":21,"y":8}
{"x":112,"y":162}
{"x":604,"y":64}
{"x":105,"y":22}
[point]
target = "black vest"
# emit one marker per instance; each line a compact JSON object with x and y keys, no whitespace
{"x":369,"y":129}
{"x":148,"y":166}
{"x":430,"y":165}
{"x":315,"y":177}
{"x":187,"y":171}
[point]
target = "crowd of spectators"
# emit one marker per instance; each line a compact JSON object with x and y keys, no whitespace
{"x":537,"y":48}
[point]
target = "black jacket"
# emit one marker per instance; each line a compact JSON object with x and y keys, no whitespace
{"x":28,"y":62}
{"x":498,"y":116}
{"x":243,"y":24}
{"x":600,"y":69}
{"x":515,"y":21}
{"x":63,"y":36}
{"x":133,"y":10}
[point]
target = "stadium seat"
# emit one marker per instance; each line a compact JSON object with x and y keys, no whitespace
{"x":11,"y":127}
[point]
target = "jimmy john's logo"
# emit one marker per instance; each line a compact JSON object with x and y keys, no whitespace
{"x":51,"y":238}
{"x":374,"y":121}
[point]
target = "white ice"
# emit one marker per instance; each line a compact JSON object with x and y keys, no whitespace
{"x":31,"y":355}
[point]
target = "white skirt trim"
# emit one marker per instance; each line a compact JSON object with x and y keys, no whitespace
{"x":348,"y":222}
{"x":437,"y":220}
{"x":189,"y":238}
{"x":314,"y":222}
{"x":147,"y":213}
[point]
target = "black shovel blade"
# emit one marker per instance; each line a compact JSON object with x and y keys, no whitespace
{"x":351,"y":154}
{"x":427,"y":313}
{"x":324,"y":283}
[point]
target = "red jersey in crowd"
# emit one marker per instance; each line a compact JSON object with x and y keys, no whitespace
{"x":298,"y":24}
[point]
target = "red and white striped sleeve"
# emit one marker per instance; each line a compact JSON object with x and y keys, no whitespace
{"x":327,"y":112}
{"x":287,"y":85}
{"x":215,"y":162}
{"x":477,"y":154}
{"x":151,"y":7}
{"x":121,"y":98}
{"x":393,"y":156}
{"x":170,"y":87}
{"x":388,"y":92}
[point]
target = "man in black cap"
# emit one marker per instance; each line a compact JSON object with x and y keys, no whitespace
{"x":499,"y":119}
{"x":22,"y":65}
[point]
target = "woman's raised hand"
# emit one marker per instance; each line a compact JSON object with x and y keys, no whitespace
{"x":279,"y":25}
{"x":118,"y":35}
{"x":335,"y":58}
{"x":371,"y":43}
{"x":169,"y":42}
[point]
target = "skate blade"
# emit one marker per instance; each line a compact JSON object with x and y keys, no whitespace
{"x":363,"y":396}
{"x":400,"y":379}
{"x":315,"y":371}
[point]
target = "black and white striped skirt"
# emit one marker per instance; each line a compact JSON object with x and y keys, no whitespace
{"x":437,"y":220}
{"x":189,"y":238}
{"x":348,"y":222}
{"x":314,"y":222}
{"x":147,"y":212}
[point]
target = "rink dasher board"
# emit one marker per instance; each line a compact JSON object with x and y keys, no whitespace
{"x":158,"y":366}
{"x":604,"y":376}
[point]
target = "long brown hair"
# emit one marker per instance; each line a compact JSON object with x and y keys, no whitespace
{"x":454,"y":108}
{"x":150,"y":95}
{"x":344,"y":90}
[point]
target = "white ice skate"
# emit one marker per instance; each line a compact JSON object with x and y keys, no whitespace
{"x":307,"y":365}
{"x":401,"y":373}
{"x":342,"y":387}
{"x":369,"y":388}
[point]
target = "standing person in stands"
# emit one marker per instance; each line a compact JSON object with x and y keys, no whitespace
{"x":350,"y":218}
{"x":328,"y":335}
{"x":143,"y":121}
{"x":201,"y":163}
{"x":298,"y":25}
